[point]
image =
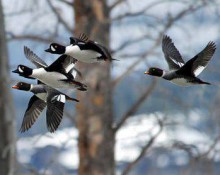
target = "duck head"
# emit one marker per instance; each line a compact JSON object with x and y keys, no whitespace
{"x":155,"y":72}
{"x":22,"y":86}
{"x":24,"y":71}
{"x":56,"y":48}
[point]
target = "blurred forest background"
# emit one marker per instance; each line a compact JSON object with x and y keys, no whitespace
{"x":127,"y":123}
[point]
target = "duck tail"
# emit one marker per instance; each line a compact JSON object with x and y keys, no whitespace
{"x":114,"y":59}
{"x":203,"y":82}
{"x":71,"y":99}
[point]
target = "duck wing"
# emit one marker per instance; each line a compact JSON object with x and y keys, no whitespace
{"x":83,"y":38}
{"x":199,"y":62}
{"x":69,"y":66}
{"x":36,"y":60}
{"x":35,"y":107}
{"x":172,"y":55}
{"x":86,"y":44}
{"x":55,"y":106}
{"x":92,"y":45}
{"x":64,"y":64}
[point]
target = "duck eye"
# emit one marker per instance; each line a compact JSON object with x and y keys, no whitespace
{"x":55,"y":46}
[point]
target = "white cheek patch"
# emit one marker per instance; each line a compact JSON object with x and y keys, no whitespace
{"x":52,"y":48}
{"x":20,"y":70}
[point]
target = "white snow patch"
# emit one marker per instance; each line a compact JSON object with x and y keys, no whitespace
{"x":129,"y":140}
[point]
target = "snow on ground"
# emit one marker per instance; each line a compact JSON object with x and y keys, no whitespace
{"x":129,"y":139}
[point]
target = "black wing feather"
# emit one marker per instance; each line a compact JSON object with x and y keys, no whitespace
{"x":36,"y":60}
{"x":35,"y":107}
{"x":199,"y":61}
{"x":172,"y":55}
{"x":55,"y":109}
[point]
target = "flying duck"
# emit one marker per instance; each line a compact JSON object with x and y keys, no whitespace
{"x":60,"y":74}
{"x":68,"y":64}
{"x":82,"y":49}
{"x":181,"y":73}
{"x":43,"y":96}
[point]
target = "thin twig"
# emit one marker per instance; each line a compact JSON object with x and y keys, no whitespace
{"x":38,"y":38}
{"x":139,"y":60}
{"x":131,"y":42}
{"x":145,"y":148}
{"x":66,"y":2}
{"x":136,"y":106}
{"x":59,"y":18}
{"x":116,"y":4}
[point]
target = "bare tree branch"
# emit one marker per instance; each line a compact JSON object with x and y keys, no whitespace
{"x":136,"y":106}
{"x":129,"y":14}
{"x":141,"y":12}
{"x":211,"y":147}
{"x":131,"y":42}
{"x":59,"y":18}
{"x":145,"y":148}
{"x":190,"y":149}
{"x":117,"y":2}
{"x":16,"y":13}
{"x":139,"y":60}
{"x":66,"y":2}
{"x":30,"y":37}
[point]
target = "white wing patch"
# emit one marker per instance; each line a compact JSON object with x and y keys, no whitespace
{"x":198,"y":70}
{"x":74,"y":73}
{"x":60,"y":98}
{"x":69,"y":67}
{"x":81,"y":43}
{"x":181,"y":64}
{"x":176,"y":62}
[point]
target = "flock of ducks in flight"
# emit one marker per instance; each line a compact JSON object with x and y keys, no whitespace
{"x":62,"y":74}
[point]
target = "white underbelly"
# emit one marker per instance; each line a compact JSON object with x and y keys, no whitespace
{"x":51,"y":78}
{"x":87,"y":56}
{"x":181,"y":82}
{"x":42,"y":96}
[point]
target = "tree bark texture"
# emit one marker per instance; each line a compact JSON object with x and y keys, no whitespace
{"x":7,"y":124}
{"x":94,"y":112}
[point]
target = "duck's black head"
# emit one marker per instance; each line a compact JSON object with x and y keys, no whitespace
{"x":22,"y":86}
{"x":56,"y":49}
{"x":23,"y":71}
{"x":155,"y":72}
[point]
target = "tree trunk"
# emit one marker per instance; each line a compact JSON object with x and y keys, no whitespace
{"x":7,"y":124}
{"x":94,"y":112}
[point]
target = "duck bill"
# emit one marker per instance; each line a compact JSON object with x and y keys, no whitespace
{"x":15,"y":71}
{"x":15,"y":87}
{"x":146,"y":73}
{"x":47,"y":50}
